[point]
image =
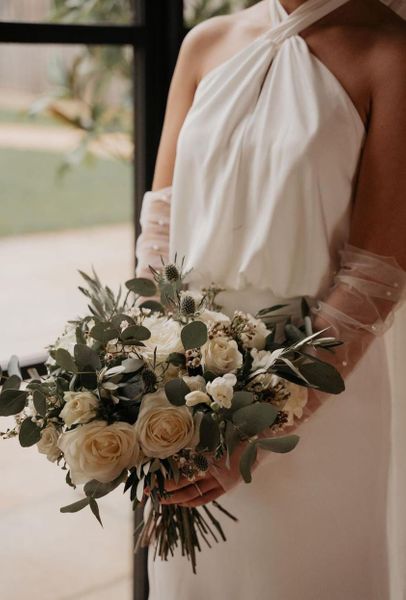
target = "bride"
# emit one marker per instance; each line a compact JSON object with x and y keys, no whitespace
{"x":280,"y":173}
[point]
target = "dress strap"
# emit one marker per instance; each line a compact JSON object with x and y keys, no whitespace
{"x":285,"y":24}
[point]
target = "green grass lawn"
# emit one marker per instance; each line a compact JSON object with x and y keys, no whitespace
{"x":33,"y":198}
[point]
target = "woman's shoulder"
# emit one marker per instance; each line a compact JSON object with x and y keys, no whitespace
{"x":211,"y":39}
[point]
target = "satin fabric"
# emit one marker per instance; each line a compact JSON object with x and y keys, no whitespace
{"x":263,"y":181}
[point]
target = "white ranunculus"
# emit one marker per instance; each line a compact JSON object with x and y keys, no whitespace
{"x":221,"y":355}
{"x":221,"y":389}
{"x":263,"y":359}
{"x":197,"y":397}
{"x":298,"y":396}
{"x":164,"y":429}
{"x":195,"y":382}
{"x":260,"y":333}
{"x":79,"y":407}
{"x":212,"y":316}
{"x":100,"y":451}
{"x":48,"y":443}
{"x":165,"y":335}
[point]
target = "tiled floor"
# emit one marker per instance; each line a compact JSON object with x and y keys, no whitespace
{"x":46,"y":555}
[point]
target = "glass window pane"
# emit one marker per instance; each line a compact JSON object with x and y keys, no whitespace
{"x":65,"y":204}
{"x":196,"y":11}
{"x":66,"y":169}
{"x":73,"y":11}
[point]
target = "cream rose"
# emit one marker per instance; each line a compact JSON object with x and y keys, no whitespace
{"x":165,"y":335}
{"x":260,"y":332}
{"x":298,"y":396}
{"x":221,"y":355}
{"x":100,"y":451}
{"x":48,"y":443}
{"x":197,"y":397}
{"x":212,"y":316}
{"x":162,"y":428}
{"x":79,"y":407}
{"x":221,"y":389}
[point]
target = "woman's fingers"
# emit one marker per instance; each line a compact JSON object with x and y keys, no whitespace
{"x":208,"y":497}
{"x":171,"y":485}
{"x":191,"y":491}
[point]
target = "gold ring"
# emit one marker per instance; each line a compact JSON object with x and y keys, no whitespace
{"x":198,"y":489}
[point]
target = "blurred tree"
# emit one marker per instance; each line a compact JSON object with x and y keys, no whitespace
{"x":93,"y":91}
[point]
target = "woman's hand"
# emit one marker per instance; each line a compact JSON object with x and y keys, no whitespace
{"x":208,"y":487}
{"x":188,"y":493}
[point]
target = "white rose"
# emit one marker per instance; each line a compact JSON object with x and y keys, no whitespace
{"x":221,"y":389}
{"x":163,"y":429}
{"x":195,"y":382}
{"x":210,"y":316}
{"x":79,"y":407}
{"x":197,"y":397}
{"x":263,"y":359}
{"x":165,"y":334}
{"x":221,"y":355}
{"x":298,"y":396}
{"x":260,"y":333}
{"x":48,"y":443}
{"x":99,"y":451}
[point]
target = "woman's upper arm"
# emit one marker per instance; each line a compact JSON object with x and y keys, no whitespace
{"x":180,"y":97}
{"x":379,"y":216}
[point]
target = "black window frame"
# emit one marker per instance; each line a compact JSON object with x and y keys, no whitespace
{"x":155,"y":36}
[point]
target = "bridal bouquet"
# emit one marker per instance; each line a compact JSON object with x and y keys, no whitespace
{"x":159,"y":383}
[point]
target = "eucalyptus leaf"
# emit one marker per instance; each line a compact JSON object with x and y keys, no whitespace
{"x":94,"y":507}
{"x":194,"y":335}
{"x":12,"y":402}
{"x":253,"y":419}
{"x":76,"y":506}
{"x":120,"y":318}
{"x":40,"y":402}
{"x":96,"y":489}
{"x":209,"y":434}
{"x":176,"y":390}
{"x":142,"y":286}
{"x":65,"y":360}
{"x":29,"y":434}
{"x":104,"y":333}
{"x":12,"y":383}
{"x":241,"y":398}
{"x":135,"y":332}
{"x":231,"y":437}
{"x":323,"y":376}
{"x":153,"y":305}
{"x":86,"y":358}
{"x":177,"y":358}
{"x":247,"y":461}
{"x":280,"y":444}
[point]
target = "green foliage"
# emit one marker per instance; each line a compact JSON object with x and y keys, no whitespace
{"x":29,"y":434}
{"x":209,"y":434}
{"x":176,"y":390}
{"x":254,"y":418}
{"x":12,"y":402}
{"x":247,"y":461}
{"x":194,"y":335}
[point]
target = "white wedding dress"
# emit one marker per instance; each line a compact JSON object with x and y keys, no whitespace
{"x":264,"y":177}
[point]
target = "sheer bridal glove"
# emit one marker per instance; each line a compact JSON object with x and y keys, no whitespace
{"x":153,"y":240}
{"x":366,"y":291}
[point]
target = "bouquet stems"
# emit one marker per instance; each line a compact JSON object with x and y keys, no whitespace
{"x":169,"y":525}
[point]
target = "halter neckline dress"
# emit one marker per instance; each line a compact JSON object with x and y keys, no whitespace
{"x":264,"y":176}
